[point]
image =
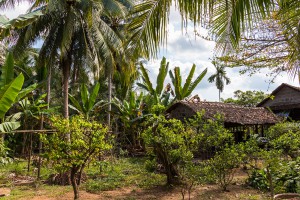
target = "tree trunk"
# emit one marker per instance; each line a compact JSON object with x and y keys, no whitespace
{"x":48,"y":88}
{"x":74,"y":182}
{"x":66,"y":64}
{"x":171,"y":170}
{"x":219,"y":95}
{"x":80,"y":174}
{"x":109,"y":98}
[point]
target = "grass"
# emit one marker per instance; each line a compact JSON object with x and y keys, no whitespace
{"x":112,"y":174}
{"x":121,"y":173}
{"x":102,"y":176}
{"x":27,"y":192}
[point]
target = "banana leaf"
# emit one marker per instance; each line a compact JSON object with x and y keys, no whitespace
{"x":9,"y":93}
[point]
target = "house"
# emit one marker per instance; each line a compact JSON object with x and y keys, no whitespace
{"x":284,"y":101}
{"x":237,"y":119}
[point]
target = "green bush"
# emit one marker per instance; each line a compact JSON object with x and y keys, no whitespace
{"x":258,"y":180}
{"x":172,"y":144}
{"x":88,"y":139}
{"x":224,"y":164}
{"x":285,"y":137}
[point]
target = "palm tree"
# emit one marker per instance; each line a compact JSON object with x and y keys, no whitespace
{"x":74,"y":32}
{"x":225,"y":20}
{"x":219,"y":77}
{"x":189,"y":85}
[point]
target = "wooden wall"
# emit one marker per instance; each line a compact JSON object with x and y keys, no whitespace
{"x":284,"y":97}
{"x":181,"y":112}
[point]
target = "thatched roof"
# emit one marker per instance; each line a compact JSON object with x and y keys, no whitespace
{"x":284,"y":97}
{"x":232,"y":113}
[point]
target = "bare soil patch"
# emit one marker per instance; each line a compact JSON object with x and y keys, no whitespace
{"x":206,"y":192}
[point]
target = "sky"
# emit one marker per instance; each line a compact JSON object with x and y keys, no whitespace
{"x":183,"y":49}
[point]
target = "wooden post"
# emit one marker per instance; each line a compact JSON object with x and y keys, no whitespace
{"x":40,"y":148}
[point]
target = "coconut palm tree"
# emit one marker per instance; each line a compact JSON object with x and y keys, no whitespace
{"x":75,"y":32}
{"x":219,"y":77}
{"x":225,"y":20}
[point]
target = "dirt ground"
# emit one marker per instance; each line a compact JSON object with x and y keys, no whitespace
{"x":236,"y":192}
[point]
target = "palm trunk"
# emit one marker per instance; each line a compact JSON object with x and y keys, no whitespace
{"x":48,"y":88}
{"x":219,"y":95}
{"x":66,"y":64}
{"x":109,"y":98}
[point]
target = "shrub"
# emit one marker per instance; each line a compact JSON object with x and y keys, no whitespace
{"x":211,"y":134}
{"x":223,"y":165}
{"x":172,"y":143}
{"x":88,"y":139}
{"x":285,"y":178}
{"x":258,"y":179}
{"x":286,"y":137}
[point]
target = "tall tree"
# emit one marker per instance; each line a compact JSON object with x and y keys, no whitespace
{"x":219,"y":77}
{"x":72,"y":31}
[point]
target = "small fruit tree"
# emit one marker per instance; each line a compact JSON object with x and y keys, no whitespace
{"x":88,"y":139}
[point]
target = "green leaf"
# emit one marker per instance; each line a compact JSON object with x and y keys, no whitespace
{"x":196,"y":82}
{"x":9,"y":126}
{"x":93,"y":96}
{"x":74,"y":108}
{"x":84,"y":96}
{"x":163,"y":71}
{"x":7,"y":25}
{"x":147,"y":81}
{"x":9,"y":93}
{"x":188,"y":81}
{"x":177,"y":85}
{"x":76,"y":105}
{"x":24,"y":92}
{"x":7,"y":74}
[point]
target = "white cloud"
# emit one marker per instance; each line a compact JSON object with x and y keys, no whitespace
{"x":18,"y":10}
{"x":183,"y":50}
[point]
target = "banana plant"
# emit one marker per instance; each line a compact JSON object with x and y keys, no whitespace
{"x":88,"y":100}
{"x":8,"y":95}
{"x":9,"y":90}
{"x":160,"y":95}
{"x":130,"y":111}
{"x":189,"y":85}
